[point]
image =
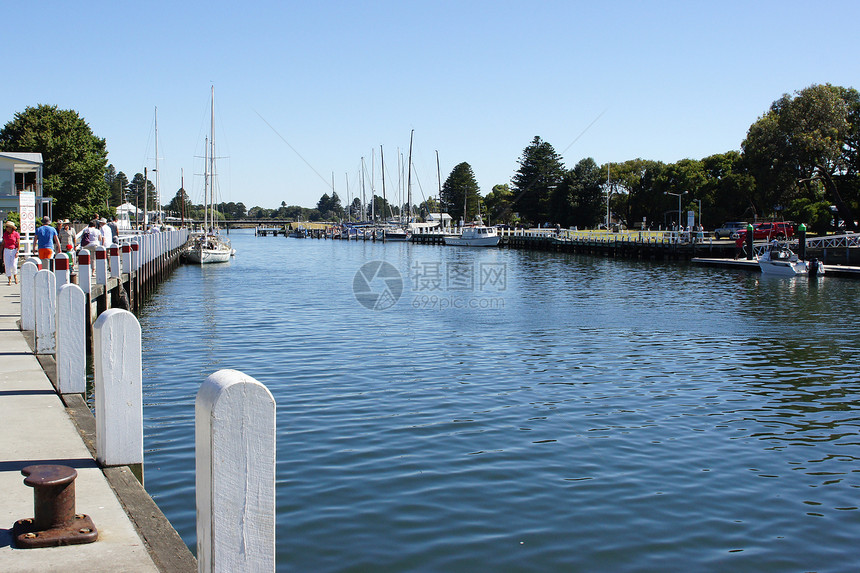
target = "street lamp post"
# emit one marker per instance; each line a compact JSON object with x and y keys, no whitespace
{"x":608,"y":195}
{"x":678,"y":195}
{"x":699,"y":201}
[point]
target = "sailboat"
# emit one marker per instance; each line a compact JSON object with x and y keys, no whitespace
{"x":393,"y":231}
{"x":209,"y":246}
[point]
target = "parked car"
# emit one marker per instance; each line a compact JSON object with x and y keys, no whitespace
{"x":768,"y":231}
{"x":730,"y":230}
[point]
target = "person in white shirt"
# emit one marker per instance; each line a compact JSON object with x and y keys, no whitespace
{"x":106,"y":233}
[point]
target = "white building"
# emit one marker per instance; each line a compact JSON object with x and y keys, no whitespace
{"x":21,"y":172}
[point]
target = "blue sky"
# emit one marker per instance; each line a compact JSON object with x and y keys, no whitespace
{"x":475,"y":80}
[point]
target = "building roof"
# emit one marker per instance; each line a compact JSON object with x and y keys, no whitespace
{"x":25,"y":157}
{"x":438,"y":216}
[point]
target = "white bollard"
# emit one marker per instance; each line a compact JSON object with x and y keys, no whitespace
{"x":71,"y":340}
{"x":85,"y":271}
{"x":101,"y":265}
{"x":115,"y":270}
{"x":126,"y":258}
{"x":27,"y":274}
{"x":45,"y":311}
{"x":118,"y":388}
{"x":135,"y":256}
{"x":235,"y":467}
{"x":61,"y":269}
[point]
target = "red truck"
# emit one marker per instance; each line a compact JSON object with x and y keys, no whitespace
{"x":768,"y":231}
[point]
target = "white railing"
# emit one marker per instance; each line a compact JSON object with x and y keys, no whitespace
{"x":603,"y":236}
{"x":833,"y":241}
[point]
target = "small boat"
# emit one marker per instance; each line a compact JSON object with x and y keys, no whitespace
{"x":395,"y":234}
{"x":779,"y":260}
{"x":477,"y":235}
{"x":209,"y":248}
{"x":299,"y":233}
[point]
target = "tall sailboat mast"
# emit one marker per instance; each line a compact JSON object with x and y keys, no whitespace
{"x":372,"y":192}
{"x":157,"y":171}
{"x":206,"y":185}
{"x":145,"y":195}
{"x":384,"y":200}
{"x":409,"y":182}
{"x":363,"y":194}
{"x":439,"y":182}
{"x":212,"y":159}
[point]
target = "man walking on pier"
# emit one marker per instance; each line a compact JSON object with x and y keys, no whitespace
{"x":47,"y":239}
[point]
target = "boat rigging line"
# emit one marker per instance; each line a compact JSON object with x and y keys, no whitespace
{"x":295,"y":151}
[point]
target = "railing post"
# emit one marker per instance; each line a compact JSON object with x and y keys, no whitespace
{"x":115,"y":270}
{"x":71,"y":340}
{"x":118,"y":388}
{"x":61,"y":269}
{"x":101,"y":265}
{"x":126,"y":258}
{"x":45,"y":307}
{"x":85,"y":271}
{"x":28,"y":300}
{"x":235,"y":468}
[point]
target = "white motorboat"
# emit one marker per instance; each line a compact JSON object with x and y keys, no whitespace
{"x":474,"y":236}
{"x":779,"y":260}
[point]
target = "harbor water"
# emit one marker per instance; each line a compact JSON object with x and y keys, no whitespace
{"x":504,"y":410}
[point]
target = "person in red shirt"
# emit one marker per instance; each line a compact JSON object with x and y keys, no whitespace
{"x":11,"y":244}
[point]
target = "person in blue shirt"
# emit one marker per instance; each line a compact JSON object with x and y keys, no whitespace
{"x":47,"y":239}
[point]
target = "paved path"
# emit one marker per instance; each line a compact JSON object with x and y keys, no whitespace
{"x":36,"y":428}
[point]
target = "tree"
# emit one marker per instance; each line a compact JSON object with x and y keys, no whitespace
{"x":75,"y":160}
{"x":355,"y":210}
{"x":232,"y":210}
{"x":578,"y":199}
{"x":117,"y":186}
{"x":136,"y":191}
{"x":498,"y":202}
{"x":180,"y":205}
{"x":460,"y":191}
{"x":811,"y":136}
{"x":380,"y":208}
{"x":428,"y":206}
{"x":729,"y":191}
{"x":330,"y":208}
{"x":541,"y":171}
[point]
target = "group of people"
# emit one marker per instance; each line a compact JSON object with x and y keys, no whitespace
{"x":50,"y":240}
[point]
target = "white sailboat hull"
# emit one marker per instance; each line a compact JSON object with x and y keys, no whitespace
{"x":208,"y":256}
{"x":208,"y":250}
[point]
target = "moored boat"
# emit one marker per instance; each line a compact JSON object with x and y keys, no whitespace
{"x":477,"y":235}
{"x":209,"y":248}
{"x":780,"y":260}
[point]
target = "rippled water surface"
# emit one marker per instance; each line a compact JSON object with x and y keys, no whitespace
{"x":558,"y":413}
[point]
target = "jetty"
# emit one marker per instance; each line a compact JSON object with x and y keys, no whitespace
{"x":100,"y":518}
{"x":71,"y":478}
{"x":42,"y":427}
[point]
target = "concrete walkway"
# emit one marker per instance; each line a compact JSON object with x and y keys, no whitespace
{"x":37,"y":429}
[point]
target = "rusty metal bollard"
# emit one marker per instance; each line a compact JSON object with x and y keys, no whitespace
{"x":55,"y":522}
